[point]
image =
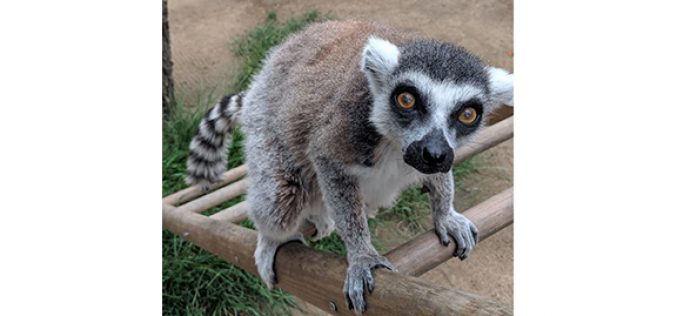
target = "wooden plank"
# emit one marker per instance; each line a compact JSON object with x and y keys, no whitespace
{"x":425,"y":252}
{"x":192,"y":192}
{"x":317,"y":277}
{"x":215,"y":198}
{"x":234,"y":214}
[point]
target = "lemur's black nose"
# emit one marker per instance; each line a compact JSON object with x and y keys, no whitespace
{"x":433,"y":155}
{"x":430,"y":154}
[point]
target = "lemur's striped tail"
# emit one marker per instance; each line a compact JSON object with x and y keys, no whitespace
{"x":209,"y":147}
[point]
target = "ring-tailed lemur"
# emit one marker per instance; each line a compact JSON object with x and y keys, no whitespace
{"x":341,"y":118}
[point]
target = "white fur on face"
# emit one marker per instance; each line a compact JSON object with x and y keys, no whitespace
{"x":501,"y":86}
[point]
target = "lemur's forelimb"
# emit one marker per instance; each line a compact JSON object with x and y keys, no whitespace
{"x":342,"y":196}
{"x":448,"y":222}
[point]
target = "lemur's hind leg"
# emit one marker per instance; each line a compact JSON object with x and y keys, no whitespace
{"x":266,"y":249}
{"x":277,"y":206}
{"x":277,"y":223}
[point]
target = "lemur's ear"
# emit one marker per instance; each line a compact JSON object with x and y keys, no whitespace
{"x":500,"y":84}
{"x":379,"y":59}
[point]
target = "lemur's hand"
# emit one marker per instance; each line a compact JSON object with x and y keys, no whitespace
{"x":461,"y":229}
{"x":360,"y":275}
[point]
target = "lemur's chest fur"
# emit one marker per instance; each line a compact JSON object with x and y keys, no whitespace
{"x":383,"y":182}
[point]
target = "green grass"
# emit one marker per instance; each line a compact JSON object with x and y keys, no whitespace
{"x":195,"y":282}
{"x":411,"y":206}
{"x":253,"y":47}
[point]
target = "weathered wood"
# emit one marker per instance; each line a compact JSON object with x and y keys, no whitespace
{"x":192,"y":192}
{"x":234,"y":214}
{"x":168,"y":99}
{"x":228,"y":241}
{"x":425,"y":252}
{"x":215,"y":198}
{"x":317,"y":277}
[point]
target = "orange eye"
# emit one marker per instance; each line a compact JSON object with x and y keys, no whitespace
{"x":468,"y":116}
{"x":406,"y":100}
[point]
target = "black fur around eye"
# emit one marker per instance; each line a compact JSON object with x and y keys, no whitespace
{"x":467,"y":117}
{"x":407,"y":104}
{"x":406,"y":98}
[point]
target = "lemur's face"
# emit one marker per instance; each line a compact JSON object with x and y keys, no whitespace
{"x":430,"y":98}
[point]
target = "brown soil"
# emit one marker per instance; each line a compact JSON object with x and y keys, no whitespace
{"x":202,"y":30}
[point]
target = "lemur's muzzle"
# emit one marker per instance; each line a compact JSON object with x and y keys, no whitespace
{"x":430,"y":154}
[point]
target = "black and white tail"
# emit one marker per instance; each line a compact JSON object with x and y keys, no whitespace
{"x":209,"y":147}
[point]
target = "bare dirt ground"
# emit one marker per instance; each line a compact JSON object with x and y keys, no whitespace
{"x":202,"y":30}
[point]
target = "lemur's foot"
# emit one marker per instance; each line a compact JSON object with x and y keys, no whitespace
{"x":266,"y":249}
{"x":461,"y":229}
{"x":360,"y":275}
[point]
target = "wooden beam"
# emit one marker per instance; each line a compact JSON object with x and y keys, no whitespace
{"x":234,"y":214}
{"x":317,"y":277}
{"x":215,"y":198}
{"x":425,"y":252}
{"x":192,"y":192}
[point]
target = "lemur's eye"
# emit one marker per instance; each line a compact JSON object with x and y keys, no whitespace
{"x":406,"y":100}
{"x":468,"y":116}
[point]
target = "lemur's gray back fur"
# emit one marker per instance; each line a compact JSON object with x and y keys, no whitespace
{"x":312,"y":96}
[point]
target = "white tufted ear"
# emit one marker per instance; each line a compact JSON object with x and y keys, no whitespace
{"x":379,"y":59}
{"x":500,"y":84}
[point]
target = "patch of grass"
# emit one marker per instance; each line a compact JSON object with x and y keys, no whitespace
{"x":247,"y":223}
{"x":335,"y":245}
{"x":177,"y":131}
{"x":465,"y":168}
{"x":195,"y":282}
{"x":253,"y":47}
{"x":409,"y":208}
{"x":331,"y":243}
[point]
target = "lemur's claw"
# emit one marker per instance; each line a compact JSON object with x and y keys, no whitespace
{"x":462,"y":230}
{"x":359,"y":277}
